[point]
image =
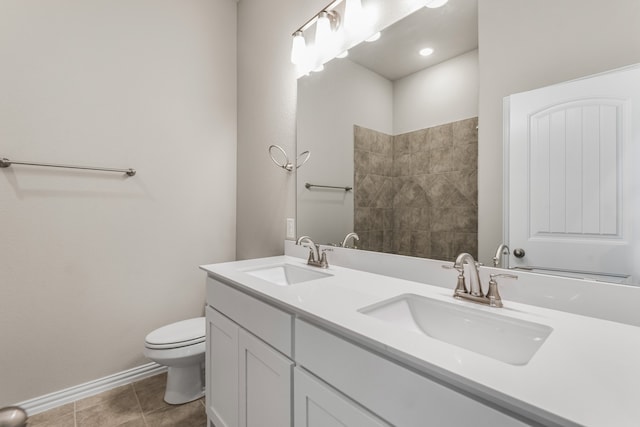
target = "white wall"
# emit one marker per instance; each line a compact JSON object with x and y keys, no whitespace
{"x":266,"y":115}
{"x":91,"y":262}
{"x":330,"y":103}
{"x":529,"y":44}
{"x":444,"y":93}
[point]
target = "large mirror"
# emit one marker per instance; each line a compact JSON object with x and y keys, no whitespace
{"x":395,"y":132}
{"x":394,"y":141}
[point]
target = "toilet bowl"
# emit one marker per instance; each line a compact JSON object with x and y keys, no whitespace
{"x":181,"y":347}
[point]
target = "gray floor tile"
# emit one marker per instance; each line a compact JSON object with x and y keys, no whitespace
{"x":123,"y":407}
{"x":150,"y":392}
{"x":188,"y":415}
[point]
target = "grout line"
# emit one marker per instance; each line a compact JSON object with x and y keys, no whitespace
{"x":135,"y":393}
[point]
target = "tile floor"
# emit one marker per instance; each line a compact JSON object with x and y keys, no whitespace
{"x":139,"y":404}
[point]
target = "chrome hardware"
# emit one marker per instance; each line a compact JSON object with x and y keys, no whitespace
{"x":286,"y":164}
{"x":309,"y":186}
{"x":5,"y":163}
{"x":353,"y":236}
{"x":518,"y":253}
{"x":492,"y":294}
{"x":461,"y":287}
{"x":315,"y":258}
{"x":497,"y":259}
{"x":475,"y":286}
{"x":474,"y":293}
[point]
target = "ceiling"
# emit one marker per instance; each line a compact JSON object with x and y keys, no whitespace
{"x":450,"y":30}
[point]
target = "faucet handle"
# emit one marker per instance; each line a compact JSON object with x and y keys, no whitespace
{"x":461,"y":286}
{"x":494,"y":296}
{"x":453,"y":267}
{"x":312,"y":256}
{"x":322,"y":262}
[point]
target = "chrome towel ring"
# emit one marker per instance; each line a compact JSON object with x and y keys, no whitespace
{"x":284,"y":162}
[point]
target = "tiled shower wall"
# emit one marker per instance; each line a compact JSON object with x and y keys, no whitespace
{"x":417,"y":193}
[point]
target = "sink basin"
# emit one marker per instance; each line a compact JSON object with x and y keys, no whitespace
{"x":509,"y":340}
{"x":286,"y":274}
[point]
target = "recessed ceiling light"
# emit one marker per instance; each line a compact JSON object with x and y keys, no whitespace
{"x":426,"y":51}
{"x":374,"y":37}
{"x":432,"y":4}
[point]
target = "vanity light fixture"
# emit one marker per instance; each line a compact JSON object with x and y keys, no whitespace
{"x":354,"y":16}
{"x":433,"y":4}
{"x":326,"y":25}
{"x":426,"y":51}
{"x":299,"y":48}
{"x":327,"y":22}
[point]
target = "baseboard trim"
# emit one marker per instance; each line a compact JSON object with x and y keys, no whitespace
{"x":71,"y":394}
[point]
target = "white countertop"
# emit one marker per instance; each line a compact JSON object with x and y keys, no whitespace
{"x":587,"y":372}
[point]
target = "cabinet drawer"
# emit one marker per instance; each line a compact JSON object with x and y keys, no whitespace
{"x":395,"y":393}
{"x":261,"y":319}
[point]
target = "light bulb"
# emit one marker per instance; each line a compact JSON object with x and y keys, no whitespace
{"x":298,"y":49}
{"x":353,"y":15}
{"x":323,"y":30}
{"x":432,"y":4}
{"x":426,"y":51}
{"x":343,"y":54}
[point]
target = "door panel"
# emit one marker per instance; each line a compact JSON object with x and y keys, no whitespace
{"x":572,"y":188}
{"x":265,"y":384}
{"x":317,"y":405}
{"x":222,"y":369}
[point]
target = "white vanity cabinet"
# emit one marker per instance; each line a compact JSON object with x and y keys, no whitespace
{"x":269,"y":368}
{"x":248,"y":381}
{"x":318,"y":405}
{"x":399,"y":395}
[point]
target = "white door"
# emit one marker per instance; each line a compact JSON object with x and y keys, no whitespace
{"x":222,"y":370}
{"x":573,"y":151}
{"x":317,"y":405}
{"x":265,"y":384}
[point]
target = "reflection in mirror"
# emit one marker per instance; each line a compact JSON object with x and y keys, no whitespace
{"x":401,"y":129}
{"x":570,"y":205}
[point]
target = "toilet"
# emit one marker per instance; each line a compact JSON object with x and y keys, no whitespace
{"x":181,"y":347}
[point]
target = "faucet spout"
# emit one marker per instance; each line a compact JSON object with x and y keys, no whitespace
{"x":315,"y":259}
{"x":475,"y":285}
{"x":313,"y":248}
{"x":353,"y":236}
{"x":503,"y":249}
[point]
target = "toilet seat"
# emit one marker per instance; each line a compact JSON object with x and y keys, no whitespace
{"x":176,"y":335}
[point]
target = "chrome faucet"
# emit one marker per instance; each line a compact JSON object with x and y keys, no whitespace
{"x":315,"y":259}
{"x":503,"y":249}
{"x":476,"y":294}
{"x":353,"y":236}
{"x":476,"y":286}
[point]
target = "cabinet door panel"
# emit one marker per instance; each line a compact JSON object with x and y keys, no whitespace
{"x":265,"y":384}
{"x":317,"y":405}
{"x":400,"y":395}
{"x":261,"y":319}
{"x":222,"y":370}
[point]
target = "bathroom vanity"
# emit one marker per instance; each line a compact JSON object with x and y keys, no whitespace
{"x":293,"y":345}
